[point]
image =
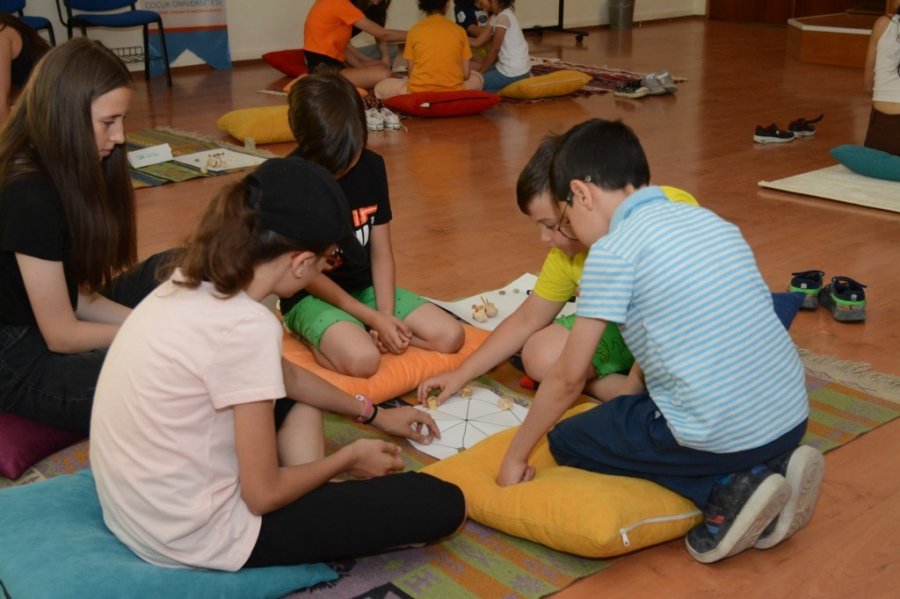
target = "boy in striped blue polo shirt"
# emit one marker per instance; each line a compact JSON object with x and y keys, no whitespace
{"x":725,"y":404}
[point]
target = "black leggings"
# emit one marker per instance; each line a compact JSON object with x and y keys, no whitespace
{"x":359,"y":517}
{"x":884,"y":132}
{"x":58,"y":389}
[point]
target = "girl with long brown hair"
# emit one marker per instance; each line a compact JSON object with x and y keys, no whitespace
{"x":67,"y":234}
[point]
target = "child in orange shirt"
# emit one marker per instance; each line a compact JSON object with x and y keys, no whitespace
{"x":326,"y":34}
{"x":438,"y":55}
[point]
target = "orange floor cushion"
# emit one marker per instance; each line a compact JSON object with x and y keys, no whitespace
{"x":396,"y":375}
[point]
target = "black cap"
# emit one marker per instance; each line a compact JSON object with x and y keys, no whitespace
{"x":301,"y":200}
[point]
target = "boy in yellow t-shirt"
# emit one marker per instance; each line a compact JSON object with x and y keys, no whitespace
{"x":535,"y":327}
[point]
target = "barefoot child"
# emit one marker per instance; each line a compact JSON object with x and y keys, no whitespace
{"x":507,"y":59}
{"x":726,"y":403}
{"x":189,"y":467}
{"x":437,"y":55}
{"x":356,"y":313}
{"x":326,"y":37}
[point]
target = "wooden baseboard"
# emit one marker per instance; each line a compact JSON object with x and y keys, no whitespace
{"x":840,"y":39}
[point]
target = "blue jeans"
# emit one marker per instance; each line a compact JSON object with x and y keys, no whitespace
{"x":58,"y":389}
{"x":494,"y":80}
{"x":628,"y":436}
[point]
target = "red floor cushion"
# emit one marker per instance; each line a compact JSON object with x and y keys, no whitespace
{"x":396,"y":375}
{"x":438,"y":104}
{"x":289,"y":62}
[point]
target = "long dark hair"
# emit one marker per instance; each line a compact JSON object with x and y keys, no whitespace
{"x":51,"y":131}
{"x":32,"y":44}
{"x":230,"y":241}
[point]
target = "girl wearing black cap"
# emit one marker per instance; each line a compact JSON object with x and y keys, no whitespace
{"x":189,"y":468}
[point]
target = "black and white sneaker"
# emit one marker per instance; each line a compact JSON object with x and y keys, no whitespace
{"x":772,"y":134}
{"x":803,"y":128}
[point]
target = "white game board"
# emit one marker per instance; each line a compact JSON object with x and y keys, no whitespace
{"x":463,"y":422}
{"x":219,"y":160}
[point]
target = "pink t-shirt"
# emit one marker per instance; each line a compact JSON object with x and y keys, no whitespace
{"x":162,"y":429}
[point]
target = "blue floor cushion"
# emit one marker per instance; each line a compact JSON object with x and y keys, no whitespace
{"x":53,"y":543}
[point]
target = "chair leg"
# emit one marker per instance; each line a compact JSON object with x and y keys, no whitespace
{"x":146,"y":54}
{"x":51,"y":34}
{"x":69,"y":29}
{"x":165,"y":51}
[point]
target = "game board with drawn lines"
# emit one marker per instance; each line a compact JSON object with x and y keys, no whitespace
{"x":219,"y":160}
{"x":464,"y":421}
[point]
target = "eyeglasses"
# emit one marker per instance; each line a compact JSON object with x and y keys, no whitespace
{"x":334,"y":259}
{"x":560,"y":223}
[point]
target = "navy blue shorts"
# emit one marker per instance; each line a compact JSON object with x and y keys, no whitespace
{"x":629,"y":436}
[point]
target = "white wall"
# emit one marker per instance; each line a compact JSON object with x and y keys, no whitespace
{"x":258,"y":26}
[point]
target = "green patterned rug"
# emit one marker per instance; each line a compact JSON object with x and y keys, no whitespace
{"x":846,"y":400}
{"x":181,"y":142}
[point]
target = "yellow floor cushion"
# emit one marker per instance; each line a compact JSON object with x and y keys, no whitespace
{"x":567,"y":509}
{"x":263,"y":124}
{"x":396,"y":375}
{"x":558,"y":83}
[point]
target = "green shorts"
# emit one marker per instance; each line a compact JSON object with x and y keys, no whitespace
{"x":612,"y":354}
{"x":311,"y":317}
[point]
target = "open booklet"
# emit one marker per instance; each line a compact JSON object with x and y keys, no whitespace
{"x":219,"y":160}
{"x":506,"y":299}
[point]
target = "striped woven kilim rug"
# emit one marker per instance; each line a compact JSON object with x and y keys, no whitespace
{"x":604,"y":79}
{"x":181,"y":142}
{"x":846,"y":400}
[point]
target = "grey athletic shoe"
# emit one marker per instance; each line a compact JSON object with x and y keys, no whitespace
{"x":737,"y":513}
{"x":666,"y":81}
{"x":653,"y":84}
{"x":803,"y":469}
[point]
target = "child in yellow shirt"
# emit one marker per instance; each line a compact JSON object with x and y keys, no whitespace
{"x":535,"y":327}
{"x":437,"y":53}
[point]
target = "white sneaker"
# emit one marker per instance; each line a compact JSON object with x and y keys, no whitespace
{"x":375,"y":119}
{"x":667,"y":82}
{"x":391,"y":120}
{"x":653,"y":84}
